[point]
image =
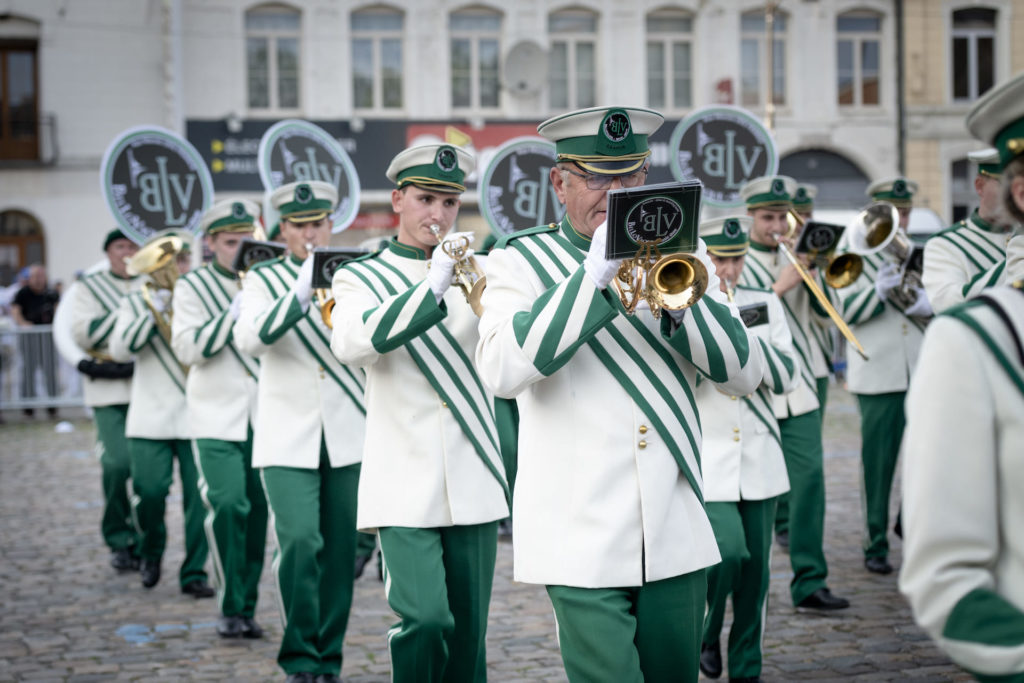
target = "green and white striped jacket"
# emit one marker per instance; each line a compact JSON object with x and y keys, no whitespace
{"x":962,"y":261}
{"x":94,"y":301}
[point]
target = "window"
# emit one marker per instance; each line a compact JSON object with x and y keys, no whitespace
{"x":669,"y":65}
{"x":858,"y":58}
{"x":21,"y":243}
{"x":572,"y":66}
{"x":961,"y":189}
{"x":19,"y":89}
{"x":377,"y":59}
{"x":754,"y":59}
{"x":475,"y":49}
{"x":272,"y":57}
{"x":974,"y":37}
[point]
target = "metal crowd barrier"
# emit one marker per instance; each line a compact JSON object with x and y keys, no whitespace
{"x":32,"y":373}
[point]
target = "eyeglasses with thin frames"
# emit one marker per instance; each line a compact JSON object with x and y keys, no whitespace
{"x":603,"y":182}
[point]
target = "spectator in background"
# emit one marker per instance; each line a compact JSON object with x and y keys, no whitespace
{"x":34,"y":304}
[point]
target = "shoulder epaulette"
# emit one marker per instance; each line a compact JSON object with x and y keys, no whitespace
{"x":540,"y":229}
{"x":267,"y":263}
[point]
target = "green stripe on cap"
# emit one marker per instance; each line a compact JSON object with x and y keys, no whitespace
{"x":1010,"y":142}
{"x":802,"y":200}
{"x":776,"y":195}
{"x":443,"y":175}
{"x":898,"y":195}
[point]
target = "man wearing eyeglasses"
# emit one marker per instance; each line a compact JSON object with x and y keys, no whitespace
{"x":608,"y":507}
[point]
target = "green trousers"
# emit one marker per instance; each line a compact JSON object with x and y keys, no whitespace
{"x":881,"y":430}
{"x":116,"y":467}
{"x":743,"y":530}
{"x":644,"y":634}
{"x":438,"y":581}
{"x":801,"y":447}
{"x":782,"y":506}
{"x":365,"y":544}
{"x":236,"y":520}
{"x":314,"y":521}
{"x":152,"y":473}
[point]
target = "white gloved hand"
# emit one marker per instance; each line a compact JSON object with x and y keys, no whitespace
{"x":161,"y":299}
{"x":921,"y":306}
{"x":600,"y":270}
{"x":235,"y":309}
{"x":439,"y":274}
{"x":887,"y":278}
{"x":303,"y":287}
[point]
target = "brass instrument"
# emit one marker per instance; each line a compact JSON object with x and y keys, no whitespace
{"x":844,"y":329}
{"x":157,"y":260}
{"x":672,"y":282}
{"x":839,"y":271}
{"x":730,"y":290}
{"x":875,"y":230}
{"x":467,"y":274}
{"x":324,"y":297}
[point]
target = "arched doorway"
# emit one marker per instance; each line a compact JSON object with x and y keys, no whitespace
{"x":841,"y":184}
{"x":21,"y":243}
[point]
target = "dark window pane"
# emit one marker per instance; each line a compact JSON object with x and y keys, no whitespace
{"x":391,"y":72}
{"x":376,"y":20}
{"x":558,"y":76}
{"x":257,"y":68}
{"x":986,"y":65}
{"x":668,"y":22}
{"x":974,"y":18}
{"x":572,"y":21}
{"x":475,"y":20}
{"x":272,"y":19}
{"x":869,"y":69}
{"x":362,"y":73}
{"x":844,"y":71}
{"x":681,"y":75}
{"x":586,"y":80}
{"x":779,"y":96}
{"x":21,"y":93}
{"x":488,"y":73}
{"x":750,"y":75}
{"x":752,"y":21}
{"x":961,"y":77}
{"x":655,"y":75}
{"x":859,"y":23}
{"x":461,"y":74}
{"x":288,"y":73}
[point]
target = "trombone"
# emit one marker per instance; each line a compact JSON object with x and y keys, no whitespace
{"x":672,"y":282}
{"x":467,"y":274}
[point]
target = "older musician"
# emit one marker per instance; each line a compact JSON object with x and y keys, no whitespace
{"x":887,"y":311}
{"x":768,"y":201}
{"x":963,"y":572}
{"x":156,"y":422}
{"x":433,"y":483}
{"x":221,"y":398}
{"x":307,"y":438}
{"x":608,"y":510}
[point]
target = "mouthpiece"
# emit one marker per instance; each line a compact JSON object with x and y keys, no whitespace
{"x":436,"y":229}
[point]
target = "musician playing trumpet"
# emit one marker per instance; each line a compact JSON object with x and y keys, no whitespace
{"x":433,"y":483}
{"x":768,"y":201}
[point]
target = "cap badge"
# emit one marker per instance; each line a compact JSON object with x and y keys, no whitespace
{"x":801,"y":193}
{"x":778,"y":187}
{"x":615,"y":126}
{"x":303,"y":194}
{"x":238,"y":211}
{"x":447,"y":160}
{"x":731,"y":228}
{"x":899,"y":188}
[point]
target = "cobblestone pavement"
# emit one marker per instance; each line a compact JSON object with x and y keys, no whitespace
{"x":66,"y":616}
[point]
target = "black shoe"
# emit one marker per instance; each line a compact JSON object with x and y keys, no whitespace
{"x":878,"y":565}
{"x":361,"y":562}
{"x":897,"y":528}
{"x":123,"y":561}
{"x":150,"y":571}
{"x":301,"y":677}
{"x":51,"y":411}
{"x":229,"y":627}
{"x":380,"y":567}
{"x":250,"y":629}
{"x":824,"y":600}
{"x":327,"y":678}
{"x":199,"y":589}
{"x":505,"y":530}
{"x":711,"y":660}
{"x":782,"y":538}
{"x":29,"y":412}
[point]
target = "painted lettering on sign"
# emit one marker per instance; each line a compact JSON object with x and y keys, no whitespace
{"x":515,"y":189}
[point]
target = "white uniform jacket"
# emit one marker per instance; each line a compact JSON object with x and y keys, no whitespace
{"x":741,"y":457}
{"x":608,"y":491}
{"x":305,"y":394}
{"x":963,"y":473}
{"x":891,"y":339}
{"x":94,"y":301}
{"x":157,"y":406}
{"x":221,"y":386}
{"x":808,"y":324}
{"x":962,"y":261}
{"x":421,"y":468}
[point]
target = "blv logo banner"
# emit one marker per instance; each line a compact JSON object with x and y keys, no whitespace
{"x":515,"y":188}
{"x":154,"y":180}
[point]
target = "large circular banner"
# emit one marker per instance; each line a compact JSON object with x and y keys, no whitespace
{"x":294,"y":150}
{"x":723,"y":147}
{"x":154,"y":180}
{"x":515,"y":188}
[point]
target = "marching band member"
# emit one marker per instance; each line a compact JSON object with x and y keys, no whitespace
{"x":768,"y":200}
{"x":307,"y":438}
{"x":743,"y":467}
{"x":155,"y":423}
{"x":962,"y":509}
{"x":963,"y":260}
{"x":608,"y":509}
{"x":891,"y":334}
{"x":106,"y":388}
{"x":221,"y":407}
{"x":433,"y":482}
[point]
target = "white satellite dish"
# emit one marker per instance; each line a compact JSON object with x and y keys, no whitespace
{"x":526,"y":68}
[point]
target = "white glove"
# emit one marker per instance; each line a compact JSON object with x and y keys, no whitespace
{"x":600,"y":270}
{"x":303,"y":287}
{"x":235,"y":309}
{"x":887,"y":278}
{"x":439,"y":274}
{"x":921,"y":306}
{"x":161,"y":299}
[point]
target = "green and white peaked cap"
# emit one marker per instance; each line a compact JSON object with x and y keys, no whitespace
{"x":727,"y":235}
{"x":230,"y":215}
{"x":113,"y":235}
{"x":987,"y":161}
{"x":603,"y":140}
{"x":998,"y":118}
{"x":803,"y":197}
{"x":897,"y":191}
{"x":437,"y":167}
{"x":304,"y":201}
{"x":769,"y":192}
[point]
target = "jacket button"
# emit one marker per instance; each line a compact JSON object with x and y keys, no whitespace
{"x":735,"y":430}
{"x":642,"y":444}
{"x":736,"y":438}
{"x":732,"y":398}
{"x":444,"y":404}
{"x":643,"y":429}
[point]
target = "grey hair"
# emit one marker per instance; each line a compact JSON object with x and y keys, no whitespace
{"x":1014,"y":169}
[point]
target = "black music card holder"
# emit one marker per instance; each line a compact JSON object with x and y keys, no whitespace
{"x":665,"y":215}
{"x":754,"y":314}
{"x":818,"y":238}
{"x":326,"y":260}
{"x":250,"y":252}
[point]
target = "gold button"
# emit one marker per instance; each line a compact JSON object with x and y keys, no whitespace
{"x":643,"y":429}
{"x":732,"y":398}
{"x":735,"y":430}
{"x":642,"y":444}
{"x":444,"y":404}
{"x":736,"y":438}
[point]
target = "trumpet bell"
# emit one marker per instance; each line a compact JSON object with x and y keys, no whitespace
{"x":680,"y":280}
{"x":843,"y":270}
{"x":156,"y":259}
{"x":475,"y":293}
{"x":873,"y":228}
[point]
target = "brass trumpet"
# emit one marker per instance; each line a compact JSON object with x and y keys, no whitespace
{"x":672,"y":282}
{"x":467,"y":274}
{"x":157,"y":260}
{"x":875,"y":230}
